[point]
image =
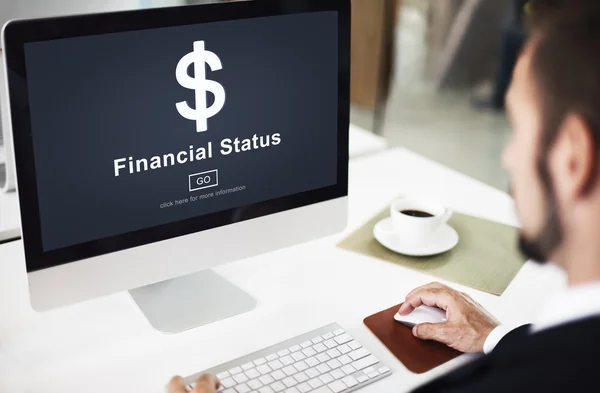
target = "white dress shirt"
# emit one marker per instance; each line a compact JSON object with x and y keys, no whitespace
{"x":571,"y":305}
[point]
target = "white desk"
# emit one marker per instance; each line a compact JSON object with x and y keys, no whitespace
{"x":10,"y":219}
{"x":107,"y":346}
{"x":363,"y":142}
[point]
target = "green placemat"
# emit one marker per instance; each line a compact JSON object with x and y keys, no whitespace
{"x":486,"y":258}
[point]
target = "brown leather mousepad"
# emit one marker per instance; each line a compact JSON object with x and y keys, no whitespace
{"x":417,"y":355}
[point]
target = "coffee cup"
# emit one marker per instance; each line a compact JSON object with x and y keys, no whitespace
{"x":416,"y":220}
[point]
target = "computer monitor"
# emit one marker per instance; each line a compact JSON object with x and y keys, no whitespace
{"x":151,"y":145}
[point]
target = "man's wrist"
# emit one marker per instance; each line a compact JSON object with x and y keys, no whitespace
{"x":496,"y":336}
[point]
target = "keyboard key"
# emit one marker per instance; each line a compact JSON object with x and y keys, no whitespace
{"x":312,"y":362}
{"x":256,"y":384}
{"x":287,"y":360}
{"x":289,"y":370}
{"x":297,"y":356}
{"x":295,"y":348}
{"x":278,"y":387}
{"x":334,"y":364}
{"x":338,"y":332}
{"x":327,"y":378}
{"x":333,"y":353}
{"x":350,"y":381}
{"x":330,"y":344}
{"x":374,"y":374}
{"x":235,"y":370}
{"x":369,"y":370}
{"x":338,"y":374}
{"x":228,"y":382}
{"x":292,"y":390}
{"x":301,"y":377}
{"x":343,"y":338}
{"x":315,"y":383}
{"x":304,"y":387}
{"x":323,"y":357}
{"x":283,"y":352}
{"x":354,"y":345}
{"x":272,"y":357}
{"x":344,"y":359}
{"x":320,"y":348}
{"x":308,"y":352}
{"x":240,"y":378}
{"x":266,"y":379}
{"x":362,"y":378}
{"x":348,"y":369}
{"x":277,"y":375}
{"x":337,"y":386}
{"x":247,"y":366}
{"x":260,"y":361}
{"x":252,"y":374}
{"x":266,"y":389}
{"x":322,"y":389}
{"x":243,"y":388}
{"x":384,"y":370}
{"x":344,"y":349}
{"x":223,"y":375}
{"x":306,"y":344}
{"x":323,"y":368}
{"x":264,"y":369}
{"x":301,"y":365}
{"x":276,"y":365}
{"x":359,"y":354}
{"x":313,"y":373}
{"x":317,"y":340}
{"x":289,"y":382}
{"x":230,"y":390}
{"x":365,"y":362}
{"x":327,"y":336}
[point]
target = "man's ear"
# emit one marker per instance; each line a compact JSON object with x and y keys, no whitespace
{"x":574,"y":158}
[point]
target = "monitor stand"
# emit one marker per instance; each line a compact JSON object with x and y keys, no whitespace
{"x":183,"y":303}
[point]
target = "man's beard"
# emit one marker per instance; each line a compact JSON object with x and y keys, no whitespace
{"x":541,"y":248}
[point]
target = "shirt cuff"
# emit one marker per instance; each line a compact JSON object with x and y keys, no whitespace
{"x":495,"y":336}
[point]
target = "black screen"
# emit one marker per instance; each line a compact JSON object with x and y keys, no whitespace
{"x":115,"y":152}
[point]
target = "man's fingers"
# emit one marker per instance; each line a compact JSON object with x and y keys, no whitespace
{"x":176,"y":385}
{"x":431,"y":285}
{"x":206,"y":384}
{"x":431,"y":331}
{"x":439,"y":298}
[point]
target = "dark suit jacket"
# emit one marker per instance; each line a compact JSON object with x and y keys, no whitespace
{"x":561,"y":359}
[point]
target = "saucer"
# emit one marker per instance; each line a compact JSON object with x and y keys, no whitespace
{"x":445,"y":239}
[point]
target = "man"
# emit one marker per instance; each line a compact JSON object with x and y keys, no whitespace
{"x":554,"y":162}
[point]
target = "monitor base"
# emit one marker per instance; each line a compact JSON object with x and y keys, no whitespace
{"x":183,"y":303}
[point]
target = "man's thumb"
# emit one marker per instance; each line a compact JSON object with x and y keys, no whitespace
{"x":428,"y":331}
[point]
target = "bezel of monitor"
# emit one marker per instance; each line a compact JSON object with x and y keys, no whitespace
{"x":17,"y":34}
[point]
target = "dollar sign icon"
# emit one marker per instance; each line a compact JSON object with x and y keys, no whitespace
{"x":199,"y":57}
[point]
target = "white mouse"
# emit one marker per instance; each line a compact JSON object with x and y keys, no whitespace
{"x":422,"y":314}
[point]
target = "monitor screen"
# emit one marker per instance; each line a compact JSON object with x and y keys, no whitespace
{"x":138,"y":129}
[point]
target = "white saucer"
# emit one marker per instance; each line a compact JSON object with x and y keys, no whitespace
{"x":445,"y":239}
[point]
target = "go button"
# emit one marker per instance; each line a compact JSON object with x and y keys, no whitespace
{"x":200,"y":181}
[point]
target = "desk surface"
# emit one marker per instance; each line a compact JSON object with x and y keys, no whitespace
{"x":106,"y":345}
{"x":362,"y":143}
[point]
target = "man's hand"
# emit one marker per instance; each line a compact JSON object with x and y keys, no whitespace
{"x":204,"y":384}
{"x":467,"y":323}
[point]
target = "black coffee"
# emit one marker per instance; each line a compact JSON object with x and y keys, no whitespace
{"x":416,"y":213}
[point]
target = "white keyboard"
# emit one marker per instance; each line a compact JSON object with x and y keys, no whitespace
{"x":326,"y":360}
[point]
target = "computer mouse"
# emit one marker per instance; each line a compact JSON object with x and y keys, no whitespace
{"x":422,"y":314}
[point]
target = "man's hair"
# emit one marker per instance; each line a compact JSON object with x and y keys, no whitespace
{"x":565,"y":63}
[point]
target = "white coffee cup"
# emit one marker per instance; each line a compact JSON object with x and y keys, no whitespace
{"x":417,"y":231}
